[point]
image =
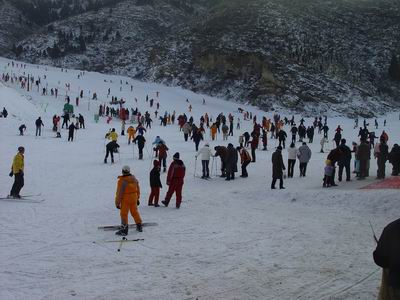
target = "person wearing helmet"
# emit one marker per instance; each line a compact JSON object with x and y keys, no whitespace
{"x":17,"y":170}
{"x":127,"y":200}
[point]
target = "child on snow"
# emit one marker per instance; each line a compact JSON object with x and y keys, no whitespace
{"x":328,"y":173}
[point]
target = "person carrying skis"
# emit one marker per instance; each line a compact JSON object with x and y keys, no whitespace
{"x":175,"y":180}
{"x":39,"y":125}
{"x":140,"y":140}
{"x":17,"y":170}
{"x":277,"y":168}
{"x":110,"y":149}
{"x":127,"y":200}
{"x":205,"y":154}
{"x":155,"y":184}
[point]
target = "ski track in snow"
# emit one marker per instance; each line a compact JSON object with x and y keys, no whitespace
{"x":229,"y":240}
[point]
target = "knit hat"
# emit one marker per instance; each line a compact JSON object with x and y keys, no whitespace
{"x":176,"y":155}
{"x":126,"y":169}
{"x":156,"y":163}
{"x":279,"y":148}
{"x":20,"y":148}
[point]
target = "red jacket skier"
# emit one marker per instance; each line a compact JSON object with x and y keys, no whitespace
{"x":176,"y":173}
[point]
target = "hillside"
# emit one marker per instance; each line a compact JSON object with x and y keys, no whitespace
{"x":309,"y":56}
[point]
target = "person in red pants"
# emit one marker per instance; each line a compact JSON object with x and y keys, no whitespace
{"x":155,"y":184}
{"x":176,"y":173}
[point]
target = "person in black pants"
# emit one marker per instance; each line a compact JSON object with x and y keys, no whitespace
{"x":110,"y":149}
{"x":71,"y":130}
{"x":17,"y":170}
{"x":345,"y":160}
{"x":140,"y":140}
{"x":277,"y":168}
{"x":39,"y":125}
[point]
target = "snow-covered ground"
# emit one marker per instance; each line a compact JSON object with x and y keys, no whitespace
{"x":229,"y":240}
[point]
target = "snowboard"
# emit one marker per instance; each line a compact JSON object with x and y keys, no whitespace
{"x":117,"y":227}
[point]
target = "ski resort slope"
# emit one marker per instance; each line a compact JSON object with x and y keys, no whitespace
{"x":229,"y":240}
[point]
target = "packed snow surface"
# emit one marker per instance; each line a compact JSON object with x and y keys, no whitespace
{"x":229,"y":240}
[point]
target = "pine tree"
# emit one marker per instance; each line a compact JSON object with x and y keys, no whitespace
{"x":394,"y":68}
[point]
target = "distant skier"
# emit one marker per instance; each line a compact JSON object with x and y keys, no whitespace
{"x":127,"y":200}
{"x":5,"y":112}
{"x":39,"y":125}
{"x":17,"y":170}
{"x":81,"y":121}
{"x":71,"y":131}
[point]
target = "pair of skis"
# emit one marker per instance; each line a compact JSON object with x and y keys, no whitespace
{"x":123,"y":239}
{"x":33,"y":198}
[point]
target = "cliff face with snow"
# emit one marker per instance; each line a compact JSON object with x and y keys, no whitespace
{"x":309,"y":56}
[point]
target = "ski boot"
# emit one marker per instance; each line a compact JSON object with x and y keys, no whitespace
{"x":123,"y":230}
{"x":139,"y":227}
{"x":105,"y":160}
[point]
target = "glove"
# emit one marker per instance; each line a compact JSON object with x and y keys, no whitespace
{"x":11,"y":174}
{"x":118,"y":205}
{"x":138,"y":202}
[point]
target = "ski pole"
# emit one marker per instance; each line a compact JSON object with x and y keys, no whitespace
{"x":133,"y":150}
{"x":195,"y":166}
{"x":212,"y":166}
{"x":373,"y":232}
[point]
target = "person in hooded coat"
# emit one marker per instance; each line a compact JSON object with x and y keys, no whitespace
{"x":386,"y":255}
{"x":231,"y":162}
{"x":277,"y":168}
{"x":394,"y":159}
{"x":381,"y":153}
